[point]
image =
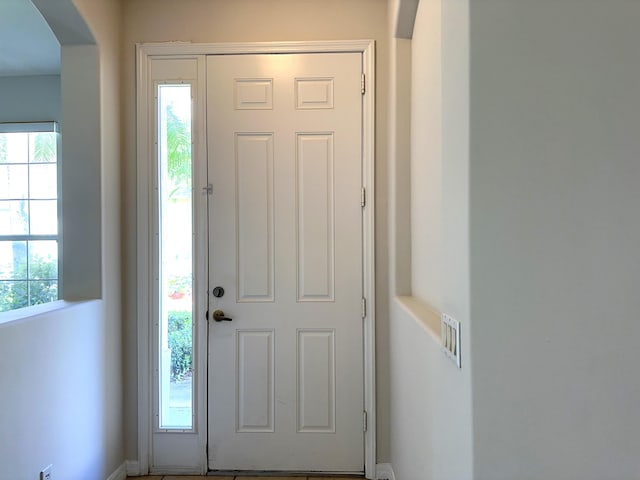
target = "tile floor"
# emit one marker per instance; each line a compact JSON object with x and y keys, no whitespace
{"x":297,"y":477}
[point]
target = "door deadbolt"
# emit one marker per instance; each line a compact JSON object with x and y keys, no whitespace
{"x":218,"y":292}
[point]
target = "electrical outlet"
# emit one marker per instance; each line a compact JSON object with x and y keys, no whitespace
{"x":450,"y":335}
{"x":47,"y":473}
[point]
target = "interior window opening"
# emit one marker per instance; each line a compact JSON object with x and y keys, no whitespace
{"x":29,"y":239}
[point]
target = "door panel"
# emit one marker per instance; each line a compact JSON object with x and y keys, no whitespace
{"x":315,"y":222}
{"x":255,"y":381}
{"x":254,"y":217}
{"x":316,"y":381}
{"x":286,"y":374}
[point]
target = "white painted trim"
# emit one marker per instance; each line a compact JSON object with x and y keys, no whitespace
{"x":384,"y":471}
{"x":369,"y":287}
{"x":120,"y":473}
{"x":144,"y":263}
{"x":201,"y":270}
{"x":133,"y":468}
{"x":187,"y":48}
{"x":177,"y":471}
{"x":144,"y":52}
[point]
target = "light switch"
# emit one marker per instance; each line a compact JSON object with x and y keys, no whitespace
{"x":450,"y":333}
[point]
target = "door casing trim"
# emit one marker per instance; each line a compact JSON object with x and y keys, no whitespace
{"x":146,"y":51}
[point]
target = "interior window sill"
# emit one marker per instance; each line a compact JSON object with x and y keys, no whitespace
{"x":31,"y":313}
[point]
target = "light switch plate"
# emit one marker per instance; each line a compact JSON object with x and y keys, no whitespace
{"x":47,"y":473}
{"x":450,"y":336}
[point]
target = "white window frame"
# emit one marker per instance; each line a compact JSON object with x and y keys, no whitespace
{"x":38,"y":127}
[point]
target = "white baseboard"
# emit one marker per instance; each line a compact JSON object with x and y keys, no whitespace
{"x":119,"y":474}
{"x":133,"y":468}
{"x":176,"y":471}
{"x":384,"y":472}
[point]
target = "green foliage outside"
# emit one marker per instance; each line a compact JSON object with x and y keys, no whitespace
{"x":3,"y":149}
{"x":179,"y":170}
{"x":180,"y":343}
{"x":40,"y":289}
{"x":44,"y":147}
{"x":178,"y":155}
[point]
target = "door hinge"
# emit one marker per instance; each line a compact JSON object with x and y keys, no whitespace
{"x":363,"y":197}
{"x":208,"y":190}
{"x":363,"y":84}
{"x":364,"y":421}
{"x":364,"y":307}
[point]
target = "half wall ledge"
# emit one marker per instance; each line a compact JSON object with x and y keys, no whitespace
{"x":424,"y":315}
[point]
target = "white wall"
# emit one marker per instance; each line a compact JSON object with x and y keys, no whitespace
{"x":74,"y":354}
{"x":54,"y":395}
{"x":431,"y":426}
{"x":250,"y":21}
{"x":80,"y":178}
{"x":30,"y":99}
{"x":426,"y":154}
{"x":539,"y":227}
{"x":104,"y":17}
{"x":555,"y":169}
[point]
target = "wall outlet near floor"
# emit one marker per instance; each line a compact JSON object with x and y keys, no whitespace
{"x":47,"y":473}
{"x":450,"y":336}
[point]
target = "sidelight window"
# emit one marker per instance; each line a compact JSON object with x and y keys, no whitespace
{"x":175,"y":241}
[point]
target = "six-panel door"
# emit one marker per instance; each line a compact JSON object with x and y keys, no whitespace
{"x":284,"y":140}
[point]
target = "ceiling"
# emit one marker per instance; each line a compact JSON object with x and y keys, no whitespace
{"x":27,"y":44}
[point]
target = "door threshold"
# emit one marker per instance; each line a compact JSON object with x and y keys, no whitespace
{"x":282,"y":473}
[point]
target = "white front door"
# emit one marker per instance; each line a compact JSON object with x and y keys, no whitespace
{"x":284,"y":140}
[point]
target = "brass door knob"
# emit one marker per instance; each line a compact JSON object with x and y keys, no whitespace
{"x":218,"y":316}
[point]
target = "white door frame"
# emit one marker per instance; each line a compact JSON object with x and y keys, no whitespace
{"x":147,"y":51}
